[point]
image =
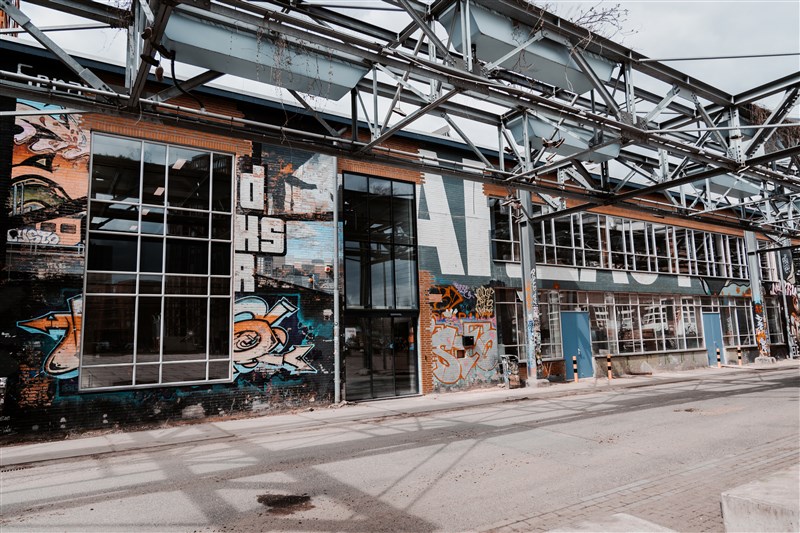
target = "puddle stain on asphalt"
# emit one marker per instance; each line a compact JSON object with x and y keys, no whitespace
{"x":286,"y":503}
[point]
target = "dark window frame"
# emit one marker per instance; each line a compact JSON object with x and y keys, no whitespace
{"x":151,"y":281}
{"x":363,"y":241}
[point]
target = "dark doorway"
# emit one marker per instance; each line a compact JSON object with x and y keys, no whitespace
{"x":380,"y":357}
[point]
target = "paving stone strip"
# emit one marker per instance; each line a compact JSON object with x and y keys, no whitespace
{"x":662,"y":499}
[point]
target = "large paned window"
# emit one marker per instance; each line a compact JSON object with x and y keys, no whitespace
{"x":769,"y":263}
{"x":510,"y":321}
{"x":380,"y":245}
{"x":599,"y":241}
{"x":157,"y":303}
{"x":775,"y":320}
{"x":646,"y":323}
{"x":550,"y":324}
{"x":505,"y":232}
{"x":737,"y":322}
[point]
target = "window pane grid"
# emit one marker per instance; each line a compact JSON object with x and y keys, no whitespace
{"x":380,"y":244}
{"x":600,"y":241}
{"x":152,"y":260}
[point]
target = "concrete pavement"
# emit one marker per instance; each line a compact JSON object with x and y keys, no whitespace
{"x":122,"y":441}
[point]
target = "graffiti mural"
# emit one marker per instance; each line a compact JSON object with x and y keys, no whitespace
{"x":463,"y":334}
{"x":48,"y":194}
{"x":259,"y":341}
{"x":258,"y":338}
{"x":454,"y":362}
{"x":793,"y":303}
{"x":257,"y":236}
{"x":762,"y":338}
{"x":63,"y":327}
{"x":484,"y":305}
{"x":290,"y":194}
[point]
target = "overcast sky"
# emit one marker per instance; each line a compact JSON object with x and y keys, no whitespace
{"x":657,"y":29}
{"x":702,"y":29}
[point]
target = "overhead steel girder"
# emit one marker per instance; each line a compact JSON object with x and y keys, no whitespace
{"x":250,"y":130}
{"x":421,"y":25}
{"x":187,"y":85}
{"x":108,"y":14}
{"x":408,"y":120}
{"x":745,"y":97}
{"x":276,"y":21}
{"x":617,"y":198}
{"x":529,"y":14}
{"x":598,"y":84}
{"x":22,"y":19}
{"x":467,"y":82}
{"x":370,"y":45}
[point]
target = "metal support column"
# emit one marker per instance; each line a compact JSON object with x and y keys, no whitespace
{"x":785,"y":268}
{"x":529,"y":285}
{"x":760,"y":317}
{"x":337,"y":349}
{"x":533,"y":342}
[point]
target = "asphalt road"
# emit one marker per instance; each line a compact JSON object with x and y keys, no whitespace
{"x":662,"y":453}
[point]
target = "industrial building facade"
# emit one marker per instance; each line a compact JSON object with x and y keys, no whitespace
{"x":149,"y":269}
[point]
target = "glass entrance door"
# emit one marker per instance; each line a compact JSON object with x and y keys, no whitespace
{"x":380,"y":357}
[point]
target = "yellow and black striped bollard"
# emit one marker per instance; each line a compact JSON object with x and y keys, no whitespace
{"x":575,"y":368}
{"x":608,"y":361}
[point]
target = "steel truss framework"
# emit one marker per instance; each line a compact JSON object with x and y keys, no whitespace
{"x":691,"y":150}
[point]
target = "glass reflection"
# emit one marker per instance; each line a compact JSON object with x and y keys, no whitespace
{"x":115,"y":168}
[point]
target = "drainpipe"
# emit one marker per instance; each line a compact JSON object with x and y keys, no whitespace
{"x":337,"y":356}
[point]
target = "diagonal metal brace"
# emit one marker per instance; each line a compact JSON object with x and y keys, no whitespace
{"x":187,"y":85}
{"x":314,"y":113}
{"x":408,"y":120}
{"x":427,"y":31}
{"x":709,"y":121}
{"x":780,"y":112}
{"x":25,"y":22}
{"x":467,"y":140}
{"x":596,"y":82}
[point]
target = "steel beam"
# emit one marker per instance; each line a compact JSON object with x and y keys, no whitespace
{"x":187,"y":85}
{"x":467,"y":140}
{"x":115,"y":17}
{"x":22,"y":19}
{"x":314,"y":113}
{"x":422,"y":25}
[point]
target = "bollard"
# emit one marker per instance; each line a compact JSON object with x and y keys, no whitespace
{"x":739,"y":354}
{"x":608,"y":360}
{"x":719,"y":360}
{"x":575,"y":368}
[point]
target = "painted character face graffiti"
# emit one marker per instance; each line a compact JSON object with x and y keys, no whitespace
{"x":260,"y":341}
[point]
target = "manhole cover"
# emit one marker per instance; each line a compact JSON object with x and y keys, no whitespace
{"x":285,"y":503}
